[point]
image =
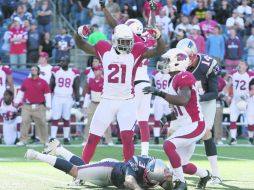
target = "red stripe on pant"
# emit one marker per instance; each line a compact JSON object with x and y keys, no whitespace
{"x":144,"y":131}
{"x":173,"y":156}
{"x":128,"y":145}
{"x":250,"y":127}
{"x":90,"y":147}
{"x":233,"y":125}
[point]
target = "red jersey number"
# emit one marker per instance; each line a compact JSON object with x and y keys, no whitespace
{"x":161,"y":84}
{"x":64,"y":82}
{"x":112,"y":78}
{"x":241,"y":84}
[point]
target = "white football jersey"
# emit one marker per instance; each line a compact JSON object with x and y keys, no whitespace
{"x":141,"y":73}
{"x":7,"y":111}
{"x":241,"y":83}
{"x":64,"y":81}
{"x":161,"y":80}
{"x":192,"y":111}
{"x":46,"y":72}
{"x":119,"y":70}
{"x":4,"y":71}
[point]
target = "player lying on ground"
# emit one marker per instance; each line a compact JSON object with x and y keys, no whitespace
{"x":138,"y":172}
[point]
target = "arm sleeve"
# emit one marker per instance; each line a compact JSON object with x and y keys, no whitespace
{"x":48,"y":100}
{"x":87,"y":100}
{"x":19,"y":97}
{"x":212,"y":91}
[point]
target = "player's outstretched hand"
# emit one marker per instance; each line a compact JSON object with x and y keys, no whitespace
{"x":153,"y":5}
{"x":154,"y":91}
{"x":154,"y":31}
{"x":102,"y":3}
{"x":84,"y":31}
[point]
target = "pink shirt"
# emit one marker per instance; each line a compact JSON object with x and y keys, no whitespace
{"x":200,"y":43}
{"x":207,"y":26}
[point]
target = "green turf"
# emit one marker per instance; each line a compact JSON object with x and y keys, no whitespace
{"x":236,"y":165}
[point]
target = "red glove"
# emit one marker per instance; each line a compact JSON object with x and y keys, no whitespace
{"x":84,"y":31}
{"x":154,"y":31}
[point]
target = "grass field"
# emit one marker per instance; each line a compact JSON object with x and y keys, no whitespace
{"x":236,"y":164}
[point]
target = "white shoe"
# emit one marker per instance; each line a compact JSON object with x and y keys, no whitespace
{"x":111,"y":144}
{"x":84,"y":143}
{"x":215,"y":180}
{"x":76,"y":182}
{"x":52,"y":146}
{"x":20,"y":143}
{"x":219,"y":142}
{"x":30,"y":154}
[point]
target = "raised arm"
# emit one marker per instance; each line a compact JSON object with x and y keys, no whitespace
{"x":110,"y":19}
{"x":81,"y":44}
{"x":76,"y":85}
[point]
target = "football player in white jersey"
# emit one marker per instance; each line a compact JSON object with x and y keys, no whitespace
{"x":250,"y":112}
{"x":6,"y":79}
{"x":239,"y":80}
{"x":205,"y":70}
{"x":183,"y":95}
{"x":161,"y":106}
{"x":11,"y":118}
{"x":64,"y":83}
{"x":120,"y":61}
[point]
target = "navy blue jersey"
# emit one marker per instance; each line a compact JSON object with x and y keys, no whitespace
{"x":134,"y":167}
{"x":206,"y":72}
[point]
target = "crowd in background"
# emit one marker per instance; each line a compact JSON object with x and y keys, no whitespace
{"x":222,"y":29}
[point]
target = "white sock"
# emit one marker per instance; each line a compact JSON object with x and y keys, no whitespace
{"x":66,"y":131}
{"x":250,"y":133}
{"x":61,"y":151}
{"x":233,"y":133}
{"x":201,"y":172}
{"x":144,"y":148}
{"x":178,"y":172}
{"x":53,"y":131}
{"x":156,"y":131}
{"x":214,"y":165}
{"x":18,"y":134}
{"x":46,"y":158}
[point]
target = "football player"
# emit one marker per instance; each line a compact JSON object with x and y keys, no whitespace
{"x":64,"y":83}
{"x":11,"y":118}
{"x":183,"y":95}
{"x":239,"y":80}
{"x":205,"y":70}
{"x":250,"y":112}
{"x":161,"y":106}
{"x":137,"y":173}
{"x":141,"y":78}
{"x":120,"y":62}
{"x":6,"y":79}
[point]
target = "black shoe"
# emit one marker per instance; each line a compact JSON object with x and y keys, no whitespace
{"x":51,"y":139}
{"x":16,"y":141}
{"x":1,"y":141}
{"x":66,"y":141}
{"x":203,"y":181}
{"x":36,"y":141}
{"x":119,"y":141}
{"x":156,"y":140}
{"x":179,"y":185}
{"x":233,"y":141}
{"x":251,"y":141}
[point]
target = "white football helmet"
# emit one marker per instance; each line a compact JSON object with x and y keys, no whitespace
{"x":122,"y":39}
{"x":188,"y":46}
{"x":155,"y":170}
{"x":174,"y":60}
{"x":135,"y":25}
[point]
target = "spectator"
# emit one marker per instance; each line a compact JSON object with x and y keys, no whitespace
{"x":37,"y":98}
{"x":179,"y":36}
{"x":33,"y":43}
{"x":80,"y":12}
{"x":147,"y":9}
{"x":44,"y":17}
{"x":92,"y":99}
{"x":165,"y":25}
{"x":18,"y":49}
{"x":222,"y":14}
{"x":96,"y":35}
{"x":8,"y":7}
{"x":244,"y":10}
{"x":26,"y":25}
{"x":233,"y":51}
{"x":63,"y":43}
{"x":128,"y":12}
{"x":198,"y":39}
{"x":113,"y":7}
{"x":170,"y":10}
{"x":237,"y":22}
{"x":184,"y":25}
{"x":96,"y":14}
{"x":200,"y":11}
{"x":46,"y":45}
{"x":249,"y":22}
{"x":22,"y":13}
{"x":207,"y":26}
{"x":5,"y":48}
{"x":215,"y":45}
{"x":250,"y":47}
{"x":27,"y":4}
{"x":131,"y":3}
{"x":187,"y":7}
{"x":11,"y":120}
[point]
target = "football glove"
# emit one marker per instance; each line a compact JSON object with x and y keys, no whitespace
{"x":154,"y":31}
{"x":153,"y":5}
{"x":245,"y":96}
{"x":84,"y":31}
{"x":154,"y":91}
{"x":102,"y":3}
{"x":76,"y":105}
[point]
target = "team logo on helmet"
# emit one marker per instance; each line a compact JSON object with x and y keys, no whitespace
{"x":181,"y":57}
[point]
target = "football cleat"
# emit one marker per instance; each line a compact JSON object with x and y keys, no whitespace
{"x":156,"y":140}
{"x":30,"y":154}
{"x":51,"y":149}
{"x":20,"y":143}
{"x":179,"y":185}
{"x":215,"y":180}
{"x":66,"y":141}
{"x":251,"y":141}
{"x":203,"y":181}
{"x":76,"y":182}
{"x":233,"y":141}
